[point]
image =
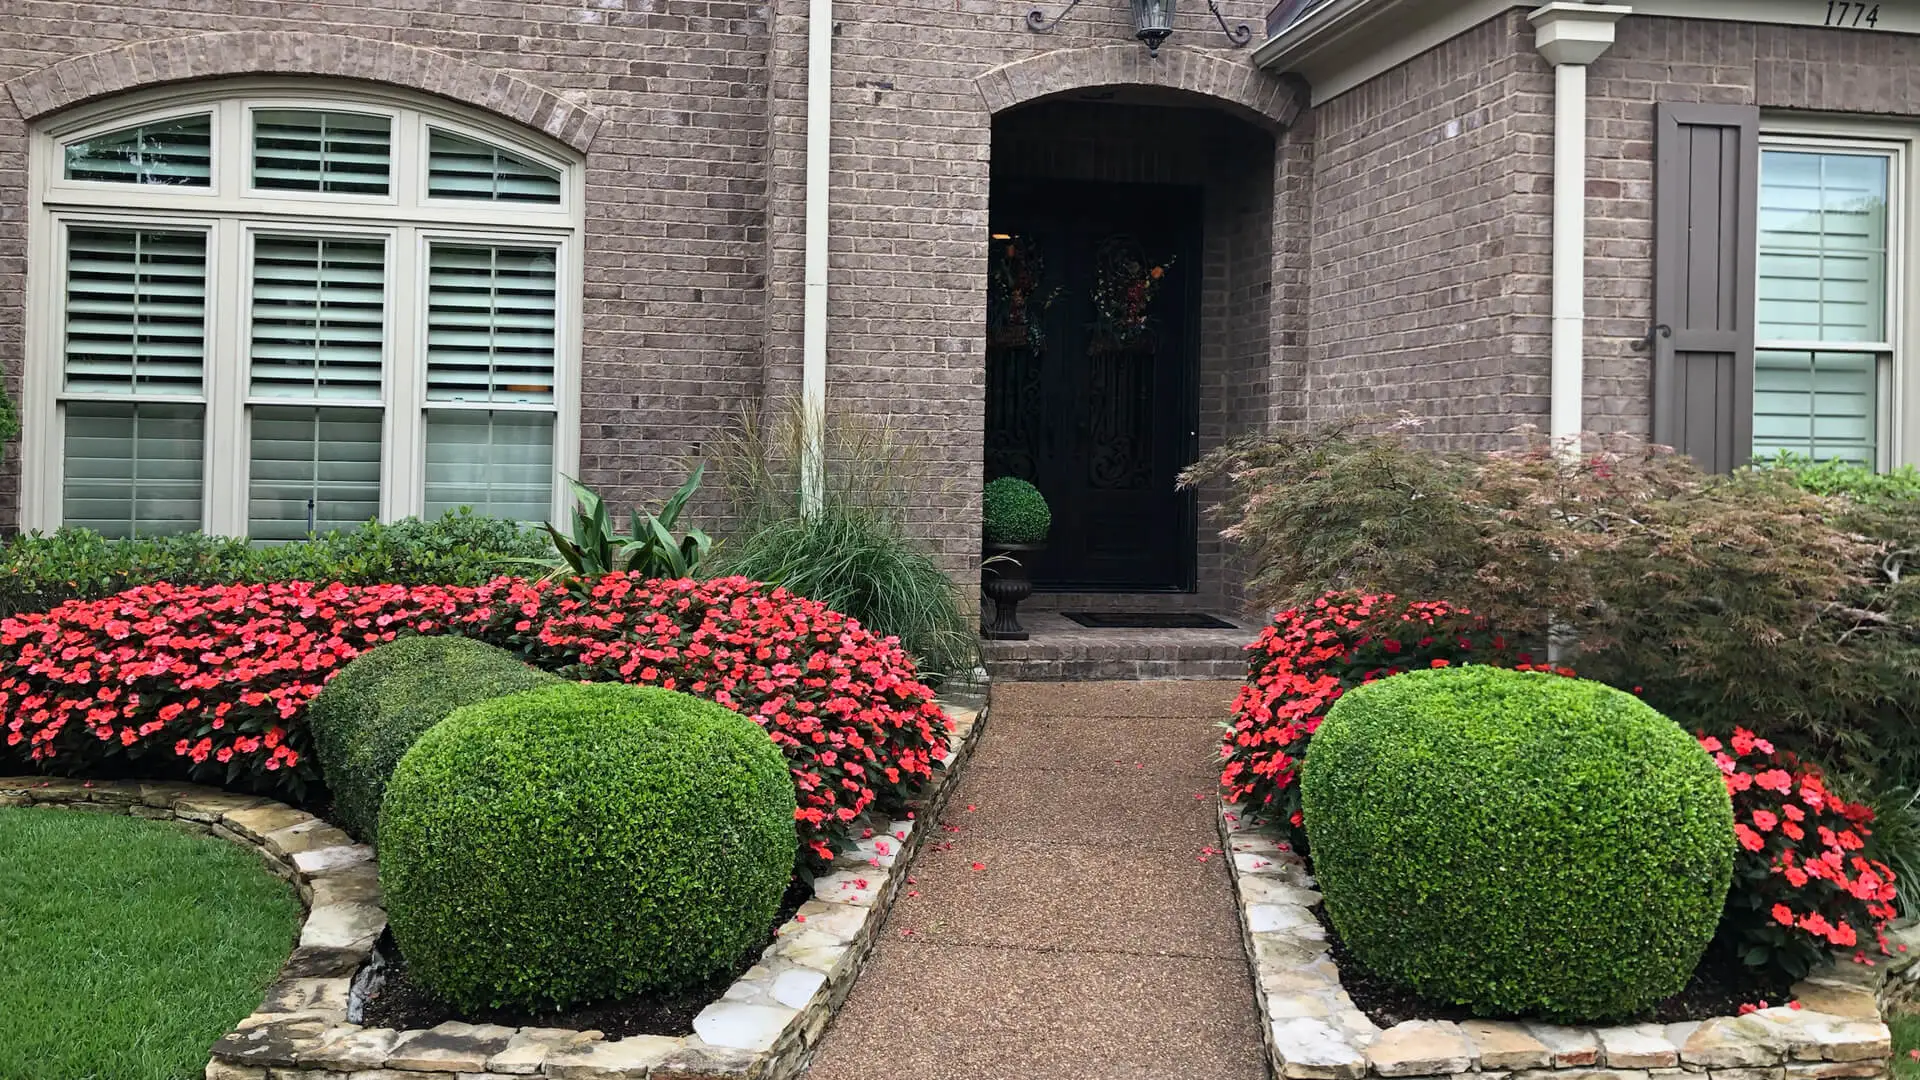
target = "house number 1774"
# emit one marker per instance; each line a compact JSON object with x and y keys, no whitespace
{"x":1843,"y":13}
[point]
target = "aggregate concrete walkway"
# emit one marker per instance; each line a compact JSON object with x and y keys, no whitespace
{"x":1066,"y":925}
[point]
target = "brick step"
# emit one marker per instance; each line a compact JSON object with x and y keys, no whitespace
{"x":1063,"y":651}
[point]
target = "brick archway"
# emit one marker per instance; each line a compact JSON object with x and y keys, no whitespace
{"x":259,"y":52}
{"x":1265,"y":99}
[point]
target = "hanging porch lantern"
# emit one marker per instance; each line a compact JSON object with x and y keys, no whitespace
{"x":1152,"y":23}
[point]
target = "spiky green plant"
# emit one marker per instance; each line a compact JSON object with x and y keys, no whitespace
{"x":854,"y":553}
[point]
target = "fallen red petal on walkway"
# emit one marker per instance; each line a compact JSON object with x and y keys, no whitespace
{"x":979,"y":866}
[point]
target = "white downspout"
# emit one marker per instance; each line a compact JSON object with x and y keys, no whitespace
{"x":1566,"y":407}
{"x":813,"y":332}
{"x":1571,"y":36}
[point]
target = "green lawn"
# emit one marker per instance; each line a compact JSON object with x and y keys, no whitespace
{"x":128,"y":947}
{"x":1906,"y":1037}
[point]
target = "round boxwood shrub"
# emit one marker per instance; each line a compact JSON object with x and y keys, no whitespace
{"x":1519,"y":842}
{"x":371,"y":713}
{"x":1016,"y":512}
{"x":583,"y":842}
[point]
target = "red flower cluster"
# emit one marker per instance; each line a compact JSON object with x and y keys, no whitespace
{"x":1800,"y":884}
{"x":212,"y":683}
{"x":1309,"y":656}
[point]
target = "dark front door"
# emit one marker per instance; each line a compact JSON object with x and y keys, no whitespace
{"x":1091,"y":384}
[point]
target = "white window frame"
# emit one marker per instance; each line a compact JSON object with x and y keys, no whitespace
{"x":232,"y":213}
{"x":1899,"y":379}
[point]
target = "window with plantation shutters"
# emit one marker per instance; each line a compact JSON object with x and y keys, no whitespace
{"x":490,"y":324}
{"x":327,"y":151}
{"x":135,"y":328}
{"x":311,"y":470}
{"x":257,"y":311}
{"x":176,"y":152}
{"x":318,"y":328}
{"x":463,"y":168}
{"x":497,"y":462}
{"x":136,"y":311}
{"x":133,"y":468}
{"x":1823,"y":352}
{"x":491,"y":340}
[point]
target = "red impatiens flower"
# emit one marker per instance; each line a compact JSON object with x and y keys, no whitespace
{"x":212,"y":683}
{"x":1795,"y":867}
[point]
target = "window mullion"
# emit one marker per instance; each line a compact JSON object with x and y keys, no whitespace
{"x":405,"y":446}
{"x":230,"y":297}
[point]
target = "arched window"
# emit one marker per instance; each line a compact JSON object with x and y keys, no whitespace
{"x":261,"y":310}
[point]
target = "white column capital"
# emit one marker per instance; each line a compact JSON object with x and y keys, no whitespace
{"x":1575,"y":33}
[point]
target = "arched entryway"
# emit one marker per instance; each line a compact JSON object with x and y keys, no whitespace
{"x":1128,"y":317}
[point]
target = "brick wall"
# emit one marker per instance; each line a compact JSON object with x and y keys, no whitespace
{"x":1431,"y":217}
{"x":1811,"y":69}
{"x":675,"y":180}
{"x":916,"y":84}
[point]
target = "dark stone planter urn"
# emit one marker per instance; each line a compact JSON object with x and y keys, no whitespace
{"x":1006,"y":583}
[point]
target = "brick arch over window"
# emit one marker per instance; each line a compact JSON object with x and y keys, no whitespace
{"x":261,"y":52}
{"x":1265,"y":99}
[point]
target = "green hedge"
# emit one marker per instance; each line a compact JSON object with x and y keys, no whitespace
{"x":1857,"y":482}
{"x":1015,"y":512}
{"x":374,"y":710}
{"x":1519,"y":842}
{"x":40,"y":572}
{"x":582,"y":842}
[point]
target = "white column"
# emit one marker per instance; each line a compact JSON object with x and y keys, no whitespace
{"x":1571,"y":36}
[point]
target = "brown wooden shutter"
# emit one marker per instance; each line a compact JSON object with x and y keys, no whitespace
{"x":1706,"y":191}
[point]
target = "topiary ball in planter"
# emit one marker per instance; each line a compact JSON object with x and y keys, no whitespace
{"x":373,"y":710}
{"x":1015,"y":513}
{"x":584,"y":842}
{"x":1519,"y":842}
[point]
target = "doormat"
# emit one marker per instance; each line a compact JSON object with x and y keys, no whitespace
{"x":1147,"y":620}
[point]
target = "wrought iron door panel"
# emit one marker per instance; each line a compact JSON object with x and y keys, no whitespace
{"x":1119,"y":408}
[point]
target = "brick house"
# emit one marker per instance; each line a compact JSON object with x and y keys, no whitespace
{"x":276,"y":265}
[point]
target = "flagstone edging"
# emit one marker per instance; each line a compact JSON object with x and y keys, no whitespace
{"x":764,"y":1027}
{"x":1313,"y":1031}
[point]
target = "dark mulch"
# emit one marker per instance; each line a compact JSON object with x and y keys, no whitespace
{"x":403,"y":1004}
{"x":1720,"y":985}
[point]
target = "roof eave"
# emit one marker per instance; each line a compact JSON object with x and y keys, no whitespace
{"x":1282,"y":51}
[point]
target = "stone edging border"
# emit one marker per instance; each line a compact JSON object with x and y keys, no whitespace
{"x":764,"y":1027}
{"x":1313,"y":1031}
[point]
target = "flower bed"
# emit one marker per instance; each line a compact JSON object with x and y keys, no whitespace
{"x":764,"y":1026}
{"x":211,"y":684}
{"x":1830,"y":1027}
{"x":1802,"y":885}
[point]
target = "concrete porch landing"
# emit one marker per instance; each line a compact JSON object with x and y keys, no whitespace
{"x":1061,"y":650}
